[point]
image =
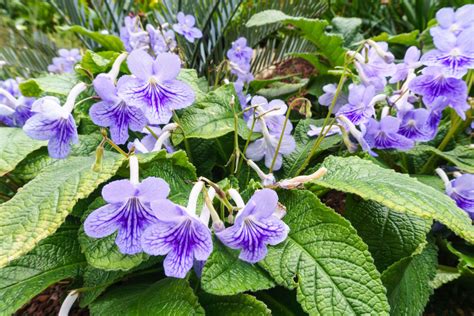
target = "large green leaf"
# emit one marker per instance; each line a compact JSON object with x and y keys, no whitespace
{"x":237,"y":305}
{"x":225,"y":274}
{"x":407,"y":39}
{"x":390,"y":235}
{"x":211,"y":117}
{"x":165,"y":297}
{"x":304,"y":143}
{"x":398,"y":192}
{"x":461,"y":156}
{"x":444,"y":274}
{"x":14,"y":147}
{"x":408,"y":282}
{"x":325,"y":259}
{"x":199,"y":85}
{"x":107,"y":41}
{"x":55,"y":84}
{"x":40,"y":207}
{"x":55,"y":258}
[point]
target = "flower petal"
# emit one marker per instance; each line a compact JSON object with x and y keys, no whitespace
{"x":152,"y":189}
{"x":118,"y":191}
{"x":105,"y":87}
{"x":178,"y":264}
{"x":264,"y":203}
{"x":140,"y":64}
{"x":102,"y":222}
{"x":155,"y":238}
{"x":166,"y":66}
{"x":167,"y":211}
{"x":100,"y":113}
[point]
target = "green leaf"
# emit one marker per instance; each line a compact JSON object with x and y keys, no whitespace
{"x":55,"y":258}
{"x":165,"y":297}
{"x":408,"y":282}
{"x":225,"y":274}
{"x":349,"y":29}
{"x":55,"y":84}
{"x":107,"y":41}
{"x":325,"y":259}
{"x":199,"y":85}
{"x":396,"y":191}
{"x":304,"y":143}
{"x":40,"y":207}
{"x":15,"y":145}
{"x":390,"y":235}
{"x":103,"y":253}
{"x":211,"y":117}
{"x":407,"y":39}
{"x":98,"y":62}
{"x":461,"y":156}
{"x":237,"y":305}
{"x":444,"y":274}
{"x":282,"y":89}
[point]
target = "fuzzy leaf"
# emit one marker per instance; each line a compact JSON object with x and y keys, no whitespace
{"x":55,"y":258}
{"x":225,"y":274}
{"x":237,"y":305}
{"x":407,"y":39}
{"x":107,"y":41}
{"x":397,"y":191}
{"x":325,"y":260}
{"x":461,"y":156}
{"x":55,"y":84}
{"x":444,"y":274}
{"x":40,"y":207}
{"x":14,"y":147}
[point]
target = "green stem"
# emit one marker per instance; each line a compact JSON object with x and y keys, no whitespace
{"x":116,"y":147}
{"x":247,"y":142}
{"x":277,"y":149}
{"x":185,"y":140}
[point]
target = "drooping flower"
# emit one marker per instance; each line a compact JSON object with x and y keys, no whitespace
{"x":384,"y":134}
{"x":329,"y":94}
{"x":410,"y":61}
{"x":361,"y":101}
{"x":455,"y":55}
{"x":453,"y":22}
{"x":240,"y":53}
{"x":352,"y":137}
{"x":186,"y":28}
{"x":243,"y":98}
{"x":127,"y":210}
{"x":179,"y":234}
{"x":154,"y":142}
{"x":12,"y":86}
{"x":53,"y":122}
{"x":154,"y":86}
{"x":255,"y":227}
{"x":461,"y":190}
{"x":415,"y":125}
{"x":433,"y":83}
{"x":161,"y":41}
{"x":66,"y":61}
{"x":272,"y":114}
{"x":316,"y":131}
{"x":133,"y":35}
{"x":14,"y":110}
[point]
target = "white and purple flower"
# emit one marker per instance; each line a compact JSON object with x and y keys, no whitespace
{"x":240,"y":53}
{"x":453,"y":22}
{"x":256,"y":225}
{"x":15,"y":109}
{"x":133,"y":35}
{"x":66,"y":61}
{"x":461,"y":190}
{"x":384,"y":134}
{"x":411,"y":61}
{"x":154,"y":87}
{"x":361,"y":101}
{"x":329,"y":94}
{"x":415,"y":125}
{"x":186,"y":28}
{"x":161,"y":41}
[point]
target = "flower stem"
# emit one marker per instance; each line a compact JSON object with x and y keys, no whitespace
{"x":277,"y":149}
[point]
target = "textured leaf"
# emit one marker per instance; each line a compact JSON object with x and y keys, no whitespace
{"x":165,"y":297}
{"x":399,"y":192}
{"x":281,"y":301}
{"x":55,"y":84}
{"x":211,"y":117}
{"x":408,"y":282}
{"x":199,"y":85}
{"x":225,"y":274}
{"x":325,"y":259}
{"x":461,"y":156}
{"x":241,"y":304}
{"x":99,"y":62}
{"x":349,"y":28}
{"x":304,"y":143}
{"x":107,"y":41}
{"x":390,"y":235}
{"x":14,"y":147}
{"x":282,"y":90}
{"x":40,"y":207}
{"x":407,"y":39}
{"x":53,"y":259}
{"x":444,"y":274}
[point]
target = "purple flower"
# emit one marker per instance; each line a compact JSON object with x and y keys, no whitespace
{"x":161,"y":41}
{"x":265,"y":147}
{"x":316,"y":131}
{"x":272,"y":114}
{"x":128,"y":212}
{"x":132,"y":34}
{"x":180,"y":235}
{"x":14,"y":111}
{"x":454,"y":54}
{"x":53,"y":122}
{"x":416,"y":125}
{"x":185,"y":27}
{"x":114,"y":112}
{"x":255,"y":227}
{"x":66,"y":61}
{"x":149,"y":142}
{"x":453,"y":22}
{"x":243,"y":99}
{"x":461,"y":190}
{"x":360,"y":106}
{"x":410,"y":61}
{"x":433,"y":83}
{"x":240,"y":53}
{"x":329,"y":94}
{"x":352,"y":137}
{"x":12,"y":86}
{"x":384,"y":134}
{"x":154,"y":86}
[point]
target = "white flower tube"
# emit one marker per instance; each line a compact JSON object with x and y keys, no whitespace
{"x":134,"y":170}
{"x":68,"y":302}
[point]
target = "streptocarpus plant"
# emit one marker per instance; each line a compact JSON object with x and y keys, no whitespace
{"x":159,"y":194}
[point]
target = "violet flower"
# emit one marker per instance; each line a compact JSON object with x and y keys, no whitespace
{"x":66,"y":61}
{"x":453,"y":22}
{"x":186,"y":28}
{"x":255,"y":227}
{"x":410,"y":61}
{"x":14,"y":111}
{"x":461,"y":190}
{"x":133,"y":35}
{"x":352,"y":137}
{"x":433,"y":83}
{"x":154,"y":86}
{"x":454,"y":54}
{"x":127,"y":210}
{"x":316,"y":131}
{"x":179,"y":234}
{"x":53,"y":122}
{"x":415,"y":125}
{"x":161,"y":41}
{"x":272,"y":114}
{"x":384,"y":134}
{"x":329,"y":94}
{"x":240,"y":53}
{"x":150,"y":143}
{"x":12,"y":86}
{"x":361,"y":101}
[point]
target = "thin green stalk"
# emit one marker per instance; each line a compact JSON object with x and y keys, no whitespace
{"x":277,"y":149}
{"x":116,"y":147}
{"x":247,"y":142}
{"x":185,"y":140}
